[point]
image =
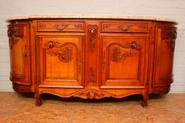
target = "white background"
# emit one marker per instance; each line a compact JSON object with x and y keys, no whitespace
{"x":159,"y":8}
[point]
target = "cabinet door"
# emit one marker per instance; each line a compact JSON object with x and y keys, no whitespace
{"x":60,"y":61}
{"x":124,"y":61}
{"x":165,"y":44}
{"x":19,"y":53}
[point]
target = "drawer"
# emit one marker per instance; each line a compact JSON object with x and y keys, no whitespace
{"x":124,"y":26}
{"x":60,"y":26}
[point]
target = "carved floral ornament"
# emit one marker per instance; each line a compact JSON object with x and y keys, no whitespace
{"x":169,"y":37}
{"x":62,"y":51}
{"x":14,"y":34}
{"x":86,"y":94}
{"x":119,"y":56}
{"x":92,"y":29}
{"x":91,"y":94}
{"x":14,"y":31}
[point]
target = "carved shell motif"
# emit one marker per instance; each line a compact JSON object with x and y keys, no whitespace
{"x":63,"y":52}
{"x":91,"y":94}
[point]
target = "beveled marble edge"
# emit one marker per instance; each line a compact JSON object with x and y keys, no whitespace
{"x":93,"y":17}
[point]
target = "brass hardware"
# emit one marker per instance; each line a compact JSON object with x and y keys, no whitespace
{"x":61,"y":27}
{"x":123,"y":28}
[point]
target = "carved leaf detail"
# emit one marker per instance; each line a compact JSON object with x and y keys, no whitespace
{"x":120,"y":56}
{"x":92,"y":94}
{"x":88,"y":94}
{"x":92,"y":35}
{"x":169,"y":37}
{"x":14,"y":34}
{"x":64,"y":53}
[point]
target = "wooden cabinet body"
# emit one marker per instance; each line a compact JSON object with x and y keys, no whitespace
{"x":91,"y":58}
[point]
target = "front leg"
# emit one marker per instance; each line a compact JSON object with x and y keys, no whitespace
{"x":144,"y":102}
{"x":38,"y":101}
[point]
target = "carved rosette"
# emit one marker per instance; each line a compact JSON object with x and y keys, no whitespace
{"x":62,"y":51}
{"x":119,"y":56}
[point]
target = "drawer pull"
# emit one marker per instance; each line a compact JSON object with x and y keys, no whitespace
{"x":61,"y":27}
{"x":125,"y":28}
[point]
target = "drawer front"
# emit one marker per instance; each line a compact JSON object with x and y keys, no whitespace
{"x":126,"y":26}
{"x":64,"y":26}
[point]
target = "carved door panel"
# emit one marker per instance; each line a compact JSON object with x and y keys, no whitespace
{"x":19,"y":53}
{"x":60,"y":61}
{"x":124,"y":61}
{"x":165,"y":44}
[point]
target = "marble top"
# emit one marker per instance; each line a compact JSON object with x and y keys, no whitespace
{"x":93,"y":17}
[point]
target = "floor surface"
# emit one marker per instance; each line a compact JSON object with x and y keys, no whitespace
{"x":17,"y":108}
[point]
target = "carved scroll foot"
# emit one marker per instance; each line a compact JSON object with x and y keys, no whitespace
{"x":38,"y":101}
{"x":144,"y":102}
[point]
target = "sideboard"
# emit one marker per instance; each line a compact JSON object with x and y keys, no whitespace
{"x":91,"y":58}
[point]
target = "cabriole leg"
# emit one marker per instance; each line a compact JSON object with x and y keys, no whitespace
{"x":144,"y":102}
{"x":37,"y":99}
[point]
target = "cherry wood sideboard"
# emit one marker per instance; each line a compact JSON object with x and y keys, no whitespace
{"x":91,"y":58}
